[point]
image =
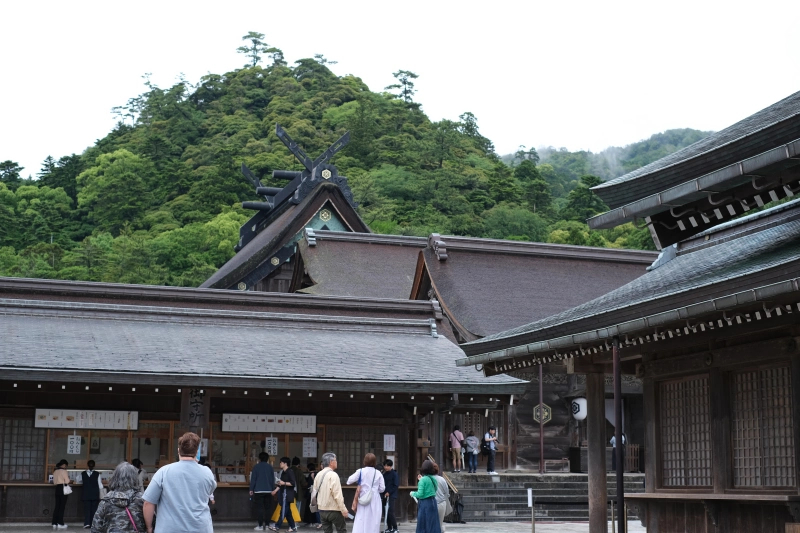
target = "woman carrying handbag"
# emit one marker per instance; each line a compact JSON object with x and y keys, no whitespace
{"x":61,"y":481}
{"x":367,"y":502}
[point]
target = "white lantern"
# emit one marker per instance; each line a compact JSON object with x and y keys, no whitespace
{"x":579,"y":408}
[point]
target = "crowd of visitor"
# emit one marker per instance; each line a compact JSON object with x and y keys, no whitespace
{"x":178,"y":495}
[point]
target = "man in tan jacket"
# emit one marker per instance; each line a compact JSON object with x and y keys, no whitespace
{"x":330,"y":502}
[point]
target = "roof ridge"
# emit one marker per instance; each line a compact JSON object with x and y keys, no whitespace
{"x":171,"y":314}
{"x":160,"y":292}
{"x":550,"y":249}
{"x":374,"y":238}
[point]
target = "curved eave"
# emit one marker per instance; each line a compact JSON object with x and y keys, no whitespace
{"x":700,"y":188}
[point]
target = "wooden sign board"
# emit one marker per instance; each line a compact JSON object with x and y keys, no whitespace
{"x":75,"y":419}
{"x":269,"y":423}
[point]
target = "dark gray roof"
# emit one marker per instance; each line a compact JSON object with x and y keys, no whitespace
{"x":486,"y":286}
{"x":191,"y":298}
{"x":770,"y":167}
{"x":725,"y":266}
{"x":777,"y":124}
{"x":360,"y":264}
{"x":280,"y":231}
{"x":145,"y":344}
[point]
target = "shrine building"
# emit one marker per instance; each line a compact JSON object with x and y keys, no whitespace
{"x":711,"y":329}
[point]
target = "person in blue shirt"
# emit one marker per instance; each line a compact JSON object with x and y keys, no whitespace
{"x":392,"y":482}
{"x":262,"y":483}
{"x":491,"y":440}
{"x":181,"y":491}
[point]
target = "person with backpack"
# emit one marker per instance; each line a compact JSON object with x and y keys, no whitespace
{"x":368,"y":500}
{"x":473,"y":447}
{"x":456,"y":442}
{"x":489,"y":447}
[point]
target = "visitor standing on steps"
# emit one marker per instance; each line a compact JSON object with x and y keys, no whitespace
{"x":491,"y":441}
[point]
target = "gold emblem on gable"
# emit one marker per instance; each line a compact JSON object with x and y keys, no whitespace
{"x":325,"y":215}
{"x":275,"y":261}
{"x":326,"y":174}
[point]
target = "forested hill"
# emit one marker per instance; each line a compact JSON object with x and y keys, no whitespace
{"x":157,"y":200}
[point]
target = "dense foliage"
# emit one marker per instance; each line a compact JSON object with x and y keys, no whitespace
{"x":157,"y":200}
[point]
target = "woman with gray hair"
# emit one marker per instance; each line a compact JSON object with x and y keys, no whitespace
{"x":121,"y":509}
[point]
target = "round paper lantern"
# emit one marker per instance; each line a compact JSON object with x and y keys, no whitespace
{"x":579,"y":408}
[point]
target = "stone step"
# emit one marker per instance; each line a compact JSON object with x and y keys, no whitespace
{"x":558,"y":497}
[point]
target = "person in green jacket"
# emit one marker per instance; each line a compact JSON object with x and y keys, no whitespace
{"x":427,"y":512}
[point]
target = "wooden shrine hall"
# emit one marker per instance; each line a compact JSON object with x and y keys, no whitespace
{"x":342,"y":374}
{"x":315,"y":323}
{"x":310,"y":240}
{"x":712,"y":329}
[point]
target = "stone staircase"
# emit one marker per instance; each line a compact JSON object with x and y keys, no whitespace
{"x":557,"y":497}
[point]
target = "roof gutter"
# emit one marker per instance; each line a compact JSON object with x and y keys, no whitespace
{"x":697,"y":189}
{"x":723,"y":303}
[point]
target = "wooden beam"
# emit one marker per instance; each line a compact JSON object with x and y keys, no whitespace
{"x":760,"y":352}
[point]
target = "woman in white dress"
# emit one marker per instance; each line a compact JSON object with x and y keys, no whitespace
{"x":368,"y":516}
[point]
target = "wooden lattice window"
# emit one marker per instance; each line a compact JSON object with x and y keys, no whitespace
{"x":685,"y":432}
{"x":352,"y":443}
{"x":22,"y":451}
{"x":763,"y":440}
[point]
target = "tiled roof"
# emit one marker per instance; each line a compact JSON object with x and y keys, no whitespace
{"x":363,"y":265}
{"x":732,"y":264}
{"x":487,"y":286}
{"x":775,"y":125}
{"x":145,"y":344}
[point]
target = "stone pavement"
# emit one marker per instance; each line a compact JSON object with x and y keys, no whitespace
{"x":495,"y":527}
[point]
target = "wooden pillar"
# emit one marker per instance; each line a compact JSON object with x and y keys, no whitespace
{"x":720,"y":430}
{"x":622,"y":525}
{"x":596,"y":426}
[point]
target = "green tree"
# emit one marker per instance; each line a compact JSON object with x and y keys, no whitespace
{"x":116,"y":190}
{"x":523,"y":154}
{"x":405,"y":86}
{"x":10,"y":174}
{"x":504,"y":221}
{"x":582,"y":203}
{"x":502,"y":185}
{"x":537,"y":194}
{"x":526,"y":171}
{"x":256,"y":47}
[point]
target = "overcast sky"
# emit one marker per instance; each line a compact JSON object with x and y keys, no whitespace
{"x":580,"y":75}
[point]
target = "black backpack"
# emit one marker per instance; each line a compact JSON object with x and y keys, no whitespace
{"x":485,"y":449}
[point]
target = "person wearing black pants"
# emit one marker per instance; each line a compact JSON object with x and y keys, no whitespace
{"x":90,"y":493}
{"x":262,"y":481}
{"x":392,"y":484}
{"x":491,"y":441}
{"x":60,"y":480}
